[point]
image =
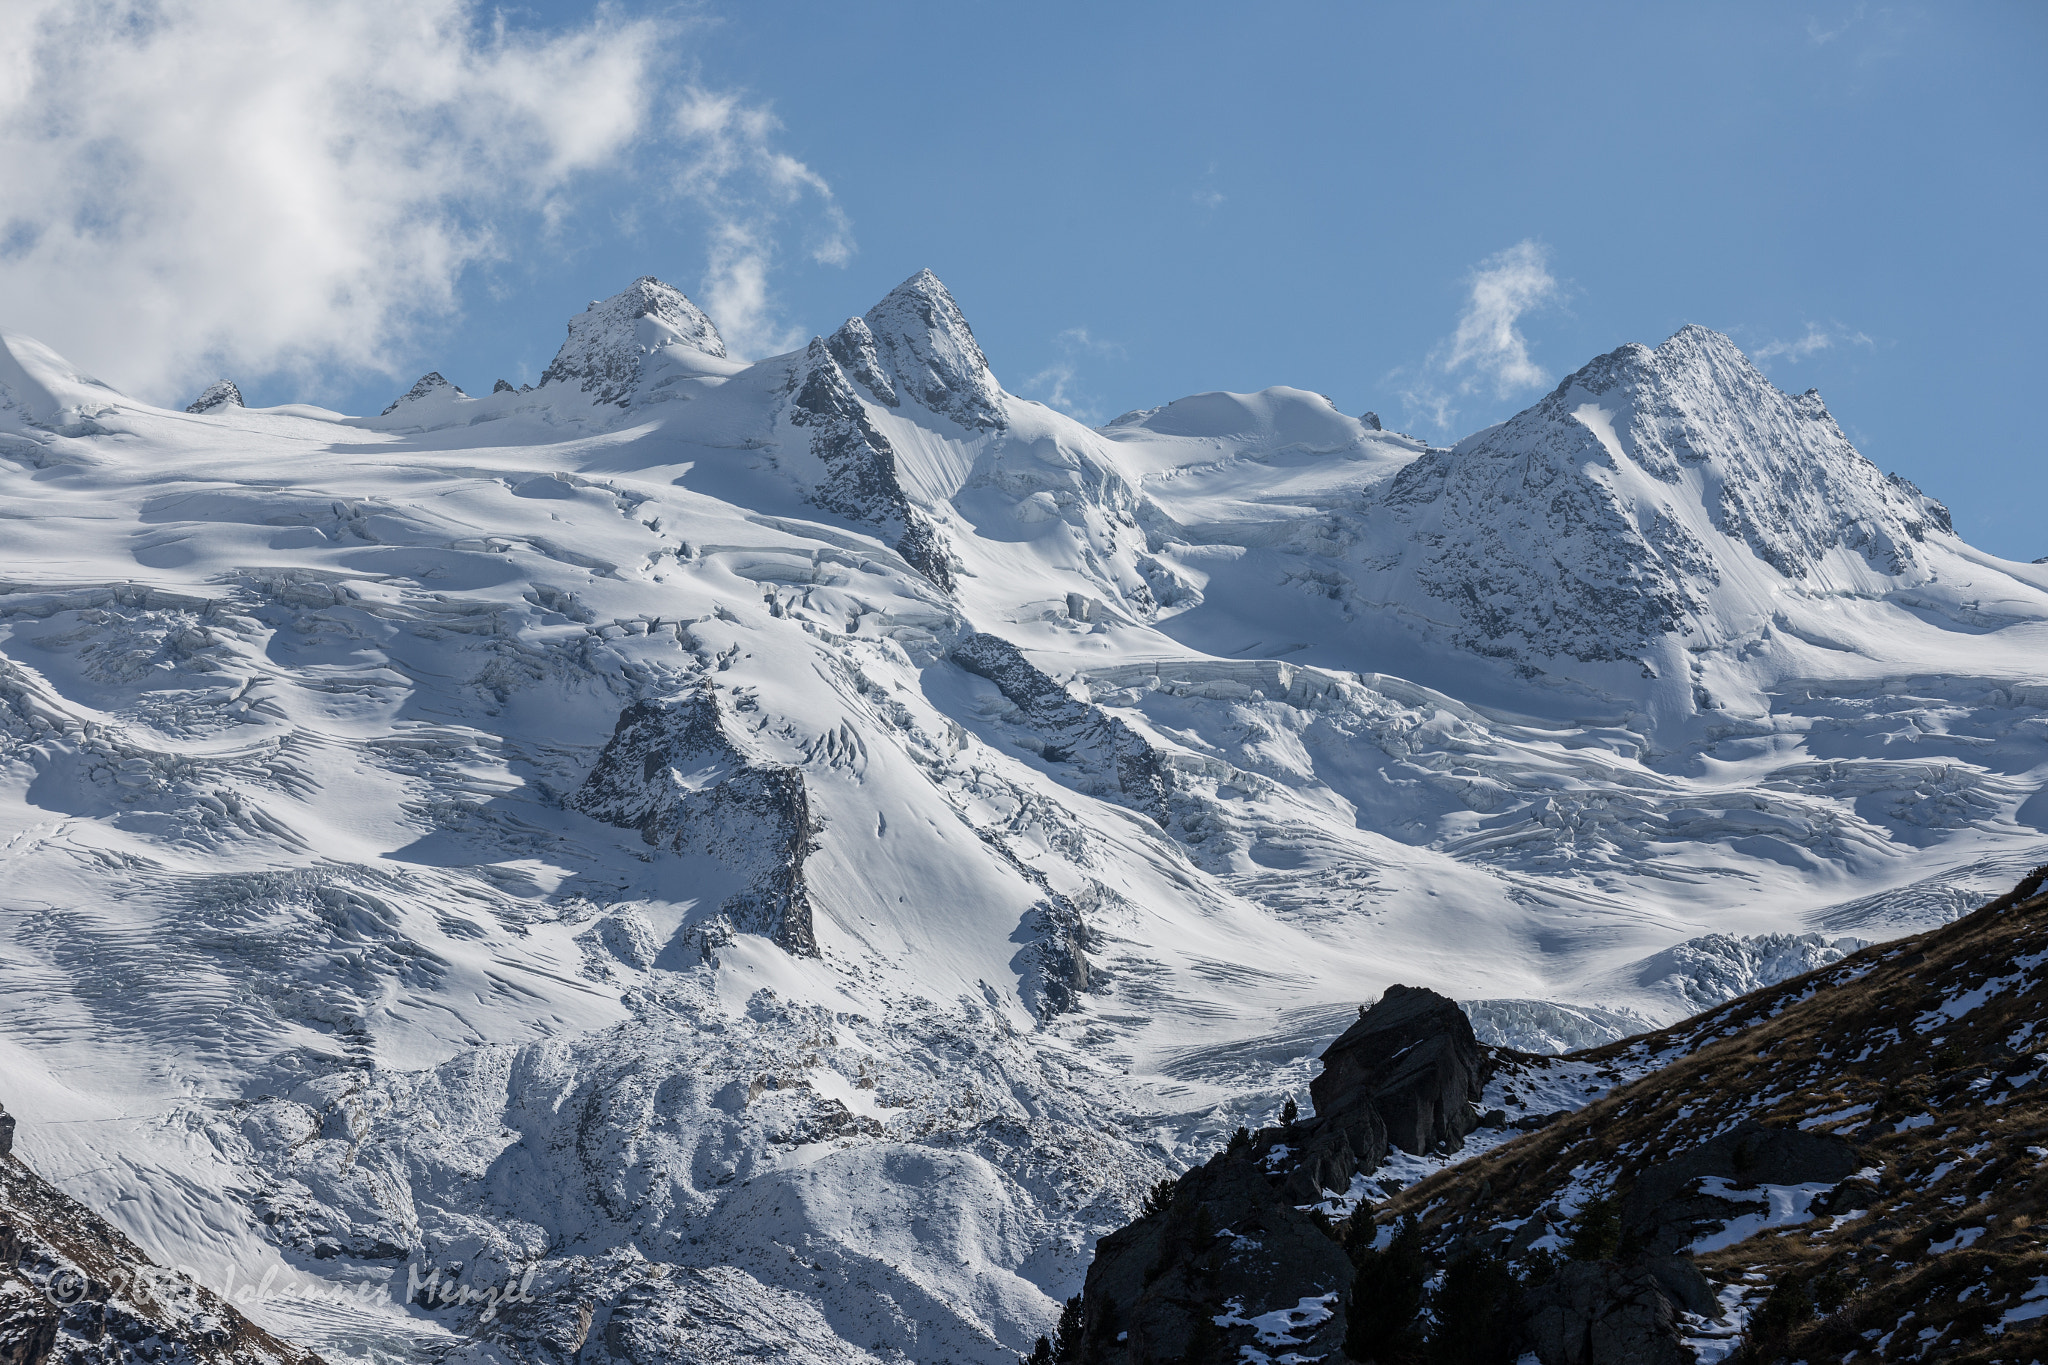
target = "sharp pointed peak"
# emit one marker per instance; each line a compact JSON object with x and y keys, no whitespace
{"x":221,"y":393}
{"x":608,"y":340}
{"x":429,"y":384}
{"x":919,"y":336}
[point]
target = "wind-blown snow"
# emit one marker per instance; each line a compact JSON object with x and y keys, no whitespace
{"x":1005,"y":810}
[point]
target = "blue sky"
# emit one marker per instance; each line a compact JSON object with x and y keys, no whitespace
{"x":1136,"y":202}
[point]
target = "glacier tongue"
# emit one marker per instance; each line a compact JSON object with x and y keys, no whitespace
{"x":789,"y":852}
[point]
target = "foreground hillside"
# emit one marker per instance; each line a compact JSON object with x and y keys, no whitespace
{"x":791,"y":850}
{"x":1843,"y":1167}
{"x":74,"y":1289}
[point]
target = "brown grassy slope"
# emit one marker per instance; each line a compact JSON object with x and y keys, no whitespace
{"x":1956,"y":1126}
{"x":74,"y":1288}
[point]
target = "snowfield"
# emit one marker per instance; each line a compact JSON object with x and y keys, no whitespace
{"x":788,"y":852}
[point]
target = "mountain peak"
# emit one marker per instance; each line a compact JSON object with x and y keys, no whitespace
{"x":921,"y":341}
{"x":430,"y":384}
{"x":609,"y":339}
{"x":222,"y":393}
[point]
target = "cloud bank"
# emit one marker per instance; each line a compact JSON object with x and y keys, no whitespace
{"x":298,"y":186}
{"x":1487,"y":354}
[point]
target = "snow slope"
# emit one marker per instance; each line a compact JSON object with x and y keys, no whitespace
{"x":808,"y":842}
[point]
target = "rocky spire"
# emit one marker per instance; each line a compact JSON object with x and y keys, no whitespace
{"x":915,"y":344}
{"x":221,"y":393}
{"x":430,"y":383}
{"x":610,"y":339}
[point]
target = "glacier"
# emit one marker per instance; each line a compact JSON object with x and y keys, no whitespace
{"x":788,"y":852}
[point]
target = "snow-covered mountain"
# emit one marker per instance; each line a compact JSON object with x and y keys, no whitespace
{"x":789,"y":851}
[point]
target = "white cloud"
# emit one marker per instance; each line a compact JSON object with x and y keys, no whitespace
{"x":733,"y":170}
{"x":1058,"y":384}
{"x":1488,"y":352}
{"x":1816,"y":340}
{"x":193,"y":187}
{"x":1486,"y":348}
{"x":264,"y":185}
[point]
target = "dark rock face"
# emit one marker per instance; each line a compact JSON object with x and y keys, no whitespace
{"x":1229,"y":1235}
{"x":503,"y":386}
{"x":1602,"y":1313}
{"x":220,"y":394}
{"x":1326,"y":1151}
{"x":1414,"y":1059}
{"x":430,"y":383}
{"x":6,"y":1133}
{"x":1074,"y":731}
{"x":853,"y":346}
{"x":1054,"y":957}
{"x":1666,"y":1210}
{"x":860,"y":480}
{"x":673,"y":772}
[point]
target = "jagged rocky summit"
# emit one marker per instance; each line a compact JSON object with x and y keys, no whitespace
{"x":609,"y":343}
{"x":1574,"y":529}
{"x":431,"y":385}
{"x":220,"y":394}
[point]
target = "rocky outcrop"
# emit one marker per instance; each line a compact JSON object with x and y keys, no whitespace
{"x":1602,"y":1313}
{"x":1668,"y":1209}
{"x":1413,"y":1059}
{"x":1223,"y":1239}
{"x":430,"y":384}
{"x":609,"y":342}
{"x":916,"y":345}
{"x":672,"y":771}
{"x":219,"y":395}
{"x":1072,"y":731}
{"x":859,"y":481}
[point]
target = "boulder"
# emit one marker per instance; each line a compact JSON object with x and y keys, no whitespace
{"x":1605,"y":1313}
{"x":1414,"y":1059}
{"x":1666,"y":1210}
{"x":1229,"y":1236}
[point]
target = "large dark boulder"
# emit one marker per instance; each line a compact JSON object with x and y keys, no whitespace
{"x":1605,"y":1313}
{"x":1666,"y":1210}
{"x":1229,"y":1235}
{"x":1412,"y":1058}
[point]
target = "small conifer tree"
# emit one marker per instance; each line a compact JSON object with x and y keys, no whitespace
{"x":1041,"y":1354}
{"x":1596,"y":1233}
{"x":1386,"y":1299}
{"x":1289,"y":1112}
{"x":1478,"y":1314}
{"x":1067,"y":1336}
